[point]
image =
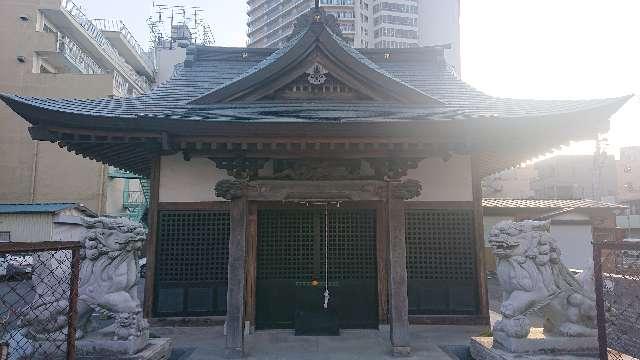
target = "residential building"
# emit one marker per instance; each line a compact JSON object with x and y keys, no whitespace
{"x":364,"y":23}
{"x":576,"y":177}
{"x":628,"y":171}
{"x":35,"y":222}
{"x":513,"y":183}
{"x":51,"y":49}
{"x":316,"y":182}
{"x":573,"y":224}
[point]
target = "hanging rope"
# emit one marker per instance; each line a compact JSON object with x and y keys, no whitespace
{"x":326,"y":255}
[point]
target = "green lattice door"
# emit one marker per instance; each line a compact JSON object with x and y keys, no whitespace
{"x":191,"y":263}
{"x":441,"y":265}
{"x":291,"y":253}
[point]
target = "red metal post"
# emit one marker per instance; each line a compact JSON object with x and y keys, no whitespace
{"x":601,"y":316}
{"x":72,"y":315}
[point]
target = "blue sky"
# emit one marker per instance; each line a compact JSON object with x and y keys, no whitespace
{"x":550,"y":49}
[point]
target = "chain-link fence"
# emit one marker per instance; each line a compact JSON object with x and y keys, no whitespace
{"x":38,"y":300}
{"x":617,"y":276}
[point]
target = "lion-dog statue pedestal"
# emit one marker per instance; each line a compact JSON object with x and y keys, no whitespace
{"x":534,"y":281}
{"x":110,"y":322}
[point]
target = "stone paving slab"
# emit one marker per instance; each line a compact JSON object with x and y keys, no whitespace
{"x":200,"y":343}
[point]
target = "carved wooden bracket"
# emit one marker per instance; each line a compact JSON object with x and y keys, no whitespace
{"x":393,"y":168}
{"x":405,"y":190}
{"x":240,"y":168}
{"x":230,"y":189}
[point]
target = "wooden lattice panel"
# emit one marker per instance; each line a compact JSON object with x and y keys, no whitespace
{"x":193,"y":246}
{"x":286,"y":244}
{"x":440,"y":244}
{"x":352,"y":245}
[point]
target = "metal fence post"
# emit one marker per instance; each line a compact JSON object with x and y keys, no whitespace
{"x":599,"y":290}
{"x":72,"y":315}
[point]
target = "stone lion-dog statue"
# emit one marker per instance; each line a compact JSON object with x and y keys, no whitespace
{"x":534,"y":279}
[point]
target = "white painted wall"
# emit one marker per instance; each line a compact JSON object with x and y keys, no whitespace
{"x":189,"y":181}
{"x":444,"y":180}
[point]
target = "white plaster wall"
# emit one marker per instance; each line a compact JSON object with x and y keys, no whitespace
{"x":574,"y":241}
{"x":189,"y":181}
{"x":444,"y":180}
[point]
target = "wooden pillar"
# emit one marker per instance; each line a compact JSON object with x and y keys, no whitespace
{"x":381,"y":247}
{"x":478,"y":222}
{"x":236,"y":278}
{"x":397,"y":273}
{"x":252,"y":249}
{"x":152,"y":223}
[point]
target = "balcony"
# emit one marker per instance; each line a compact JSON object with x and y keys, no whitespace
{"x":69,"y":19}
{"x":121,"y":174}
{"x":133,"y":199}
{"x":71,"y":58}
{"x":122,"y":39}
{"x":628,"y":221}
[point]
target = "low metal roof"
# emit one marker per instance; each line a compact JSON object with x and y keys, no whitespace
{"x":42,"y":208}
{"x":548,"y":204}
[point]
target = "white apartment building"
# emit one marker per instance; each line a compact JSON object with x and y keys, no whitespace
{"x":364,"y":23}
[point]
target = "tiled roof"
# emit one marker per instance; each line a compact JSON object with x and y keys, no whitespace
{"x":37,"y":208}
{"x":546,"y":204}
{"x":211,"y":68}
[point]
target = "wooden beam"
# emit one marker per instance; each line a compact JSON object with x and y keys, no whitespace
{"x":483,"y":297}
{"x":38,"y":246}
{"x":198,"y":205}
{"x":152,"y":239}
{"x":448,"y":319}
{"x":439,"y":204}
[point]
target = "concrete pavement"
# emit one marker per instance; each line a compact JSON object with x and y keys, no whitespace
{"x":200,"y":343}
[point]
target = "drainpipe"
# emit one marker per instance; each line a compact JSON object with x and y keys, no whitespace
{"x":34,"y":171}
{"x":101,"y":194}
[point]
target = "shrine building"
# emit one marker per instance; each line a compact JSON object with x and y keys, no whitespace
{"x":315,"y":187}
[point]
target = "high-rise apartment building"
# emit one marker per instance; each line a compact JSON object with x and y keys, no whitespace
{"x":364,"y":23}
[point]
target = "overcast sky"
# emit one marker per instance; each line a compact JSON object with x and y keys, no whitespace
{"x":547,"y":49}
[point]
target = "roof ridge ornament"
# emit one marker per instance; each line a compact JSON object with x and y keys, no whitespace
{"x":315,"y":15}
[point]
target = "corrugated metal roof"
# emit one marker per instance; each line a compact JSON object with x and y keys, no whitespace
{"x":547,"y":203}
{"x":39,"y":208}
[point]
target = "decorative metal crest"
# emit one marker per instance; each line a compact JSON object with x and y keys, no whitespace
{"x":317,"y":74}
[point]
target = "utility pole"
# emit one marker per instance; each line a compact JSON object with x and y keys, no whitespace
{"x":599,"y":159}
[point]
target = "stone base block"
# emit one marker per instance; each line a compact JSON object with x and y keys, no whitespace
{"x":537,"y":342}
{"x":401,"y":351}
{"x":233,"y":353}
{"x":156,"y":349}
{"x":487,"y":348}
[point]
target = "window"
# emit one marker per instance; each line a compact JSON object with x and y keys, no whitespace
{"x":5,"y":236}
